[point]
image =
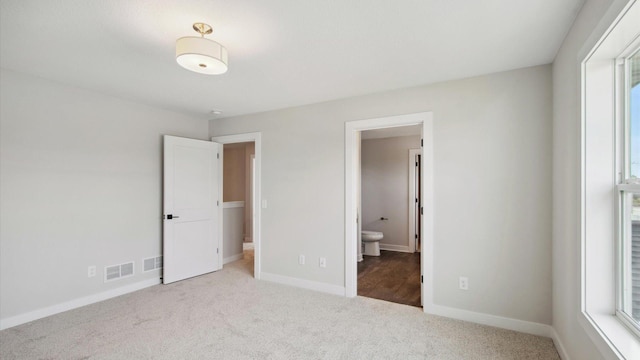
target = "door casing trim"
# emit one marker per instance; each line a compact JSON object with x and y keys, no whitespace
{"x":352,"y":128}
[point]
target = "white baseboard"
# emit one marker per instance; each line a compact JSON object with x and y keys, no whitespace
{"x":74,"y":304}
{"x":398,"y":248}
{"x":491,"y":320}
{"x":559,"y":345}
{"x":232,"y":258}
{"x":305,"y":284}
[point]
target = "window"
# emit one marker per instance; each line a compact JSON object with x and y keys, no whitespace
{"x":629,"y":190}
{"x":610,"y":186}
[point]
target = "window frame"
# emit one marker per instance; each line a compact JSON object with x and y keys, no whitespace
{"x":625,"y":185}
{"x":600,"y":181}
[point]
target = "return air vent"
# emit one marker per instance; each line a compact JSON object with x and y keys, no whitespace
{"x":152,"y":263}
{"x":119,"y":271}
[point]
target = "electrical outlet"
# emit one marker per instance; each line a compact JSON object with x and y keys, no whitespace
{"x":301,"y":259}
{"x":463,"y":283}
{"x":323,"y":262}
{"x":91,"y":271}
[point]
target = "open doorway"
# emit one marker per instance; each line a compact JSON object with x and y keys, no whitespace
{"x":353,"y":206}
{"x":241,"y":194}
{"x":389,"y":196}
{"x":238,"y":182}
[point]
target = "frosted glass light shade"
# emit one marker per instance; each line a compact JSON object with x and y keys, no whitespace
{"x":201,"y":55}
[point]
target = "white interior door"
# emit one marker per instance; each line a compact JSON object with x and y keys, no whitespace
{"x":191,"y":226}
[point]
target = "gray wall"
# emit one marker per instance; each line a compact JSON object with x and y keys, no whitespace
{"x":566,"y":183}
{"x":492,"y":181}
{"x":385,"y":188}
{"x":80,"y":183}
{"x":232,"y":233}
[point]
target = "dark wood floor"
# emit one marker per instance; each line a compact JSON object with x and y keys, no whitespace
{"x":392,"y":276}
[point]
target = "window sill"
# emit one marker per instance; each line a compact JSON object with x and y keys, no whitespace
{"x":612,"y":338}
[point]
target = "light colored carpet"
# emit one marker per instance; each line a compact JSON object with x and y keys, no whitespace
{"x":229,"y":315}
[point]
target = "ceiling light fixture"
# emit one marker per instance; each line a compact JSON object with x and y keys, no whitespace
{"x":201,"y":55}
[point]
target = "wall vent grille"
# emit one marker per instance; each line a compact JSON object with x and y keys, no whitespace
{"x":152,"y":263}
{"x":114,"y":272}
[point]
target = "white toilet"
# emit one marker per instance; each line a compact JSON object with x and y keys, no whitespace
{"x":371,"y":242}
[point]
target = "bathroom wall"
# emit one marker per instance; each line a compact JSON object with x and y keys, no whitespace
{"x":385,"y":189}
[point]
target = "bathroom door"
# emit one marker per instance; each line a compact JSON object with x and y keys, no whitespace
{"x":191,"y":223}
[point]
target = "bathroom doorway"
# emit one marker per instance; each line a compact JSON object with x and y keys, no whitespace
{"x":390,"y":266}
{"x":353,"y":206}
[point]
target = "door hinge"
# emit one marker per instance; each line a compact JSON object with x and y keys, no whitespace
{"x":218,"y":251}
{"x":416,"y":164}
{"x":416,"y":236}
{"x":416,"y":200}
{"x":421,"y":210}
{"x":218,"y":155}
{"x":217,"y":202}
{"x":421,"y":279}
{"x":421,"y":142}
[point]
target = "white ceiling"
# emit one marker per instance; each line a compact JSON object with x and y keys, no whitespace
{"x":282,"y":53}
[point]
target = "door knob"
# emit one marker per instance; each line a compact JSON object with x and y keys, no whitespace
{"x":171,"y":216}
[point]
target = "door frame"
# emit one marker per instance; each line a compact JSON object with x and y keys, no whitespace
{"x":252,"y":166}
{"x":254,"y":137}
{"x":413,"y":153}
{"x":352,"y":128}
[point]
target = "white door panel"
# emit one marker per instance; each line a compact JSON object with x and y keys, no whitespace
{"x":192,"y":179}
{"x":191,"y":224}
{"x":194,"y":248}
